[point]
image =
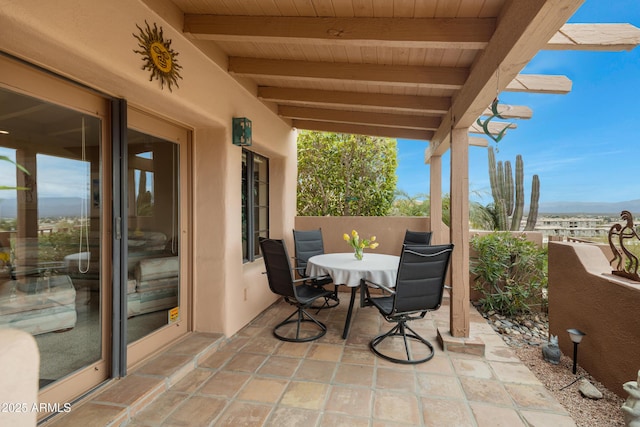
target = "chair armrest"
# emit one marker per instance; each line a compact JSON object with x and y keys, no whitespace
{"x":306,"y":279}
{"x":365,"y":296}
{"x":365,"y":282}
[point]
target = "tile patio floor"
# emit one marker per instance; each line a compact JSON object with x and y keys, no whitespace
{"x":253,"y":379}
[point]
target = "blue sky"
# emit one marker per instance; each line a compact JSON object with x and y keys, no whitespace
{"x":584,"y":146}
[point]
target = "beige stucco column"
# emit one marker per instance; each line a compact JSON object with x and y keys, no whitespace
{"x":459,"y":229}
{"x":435,"y":199}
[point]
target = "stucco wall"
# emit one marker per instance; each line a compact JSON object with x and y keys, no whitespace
{"x":584,"y":295}
{"x":93,"y":43}
{"x":389,"y":231}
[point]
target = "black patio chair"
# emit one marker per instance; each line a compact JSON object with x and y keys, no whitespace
{"x":417,"y":237}
{"x":309,"y":243}
{"x":295,"y":292}
{"x":419,"y":289}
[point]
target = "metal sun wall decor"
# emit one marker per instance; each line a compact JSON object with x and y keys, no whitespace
{"x":158,"y":56}
{"x":626,"y":262}
{"x":485,"y":124}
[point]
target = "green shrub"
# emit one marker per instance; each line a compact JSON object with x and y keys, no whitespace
{"x":511,"y":272}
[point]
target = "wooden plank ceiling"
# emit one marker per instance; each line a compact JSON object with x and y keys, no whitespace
{"x":397,"y":68}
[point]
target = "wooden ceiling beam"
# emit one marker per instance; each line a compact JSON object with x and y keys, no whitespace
{"x":381,"y":131}
{"x":511,"y":111}
{"x":397,"y":75}
{"x":595,"y":37}
{"x":360,"y":117}
{"x":425,"y":104}
{"x":533,"y":83}
{"x":435,"y":33}
{"x":476,"y":141}
{"x":494,"y":127}
{"x":523,"y":29}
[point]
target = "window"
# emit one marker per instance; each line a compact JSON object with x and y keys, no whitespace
{"x":255,"y":203}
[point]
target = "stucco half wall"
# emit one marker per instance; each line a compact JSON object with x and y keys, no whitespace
{"x":583,"y":294}
{"x":389,"y":231}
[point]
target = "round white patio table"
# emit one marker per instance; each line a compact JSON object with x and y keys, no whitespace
{"x":345,"y":269}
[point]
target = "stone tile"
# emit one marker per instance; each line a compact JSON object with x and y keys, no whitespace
{"x":396,"y":407}
{"x":217,"y":359}
{"x":437,"y":365}
{"x":267,"y":390}
{"x":194,"y":344}
{"x":305,"y":395}
{"x":501,"y":354}
{"x":493,"y":340}
{"x":293,"y":349}
{"x":354,"y":375}
{"x":245,"y":362}
{"x":441,"y":412}
{"x":360,"y":355}
{"x":192,"y":381}
{"x":495,"y":416}
{"x":383,"y":363}
{"x":131,"y":390}
{"x":256,"y":330}
{"x":316,"y":370}
{"x":224,"y":384}
{"x":350,"y":401}
{"x":196,"y":411}
{"x":339,"y":420}
{"x":513,"y":373}
{"x":234,"y":344}
{"x":472,"y":368}
{"x":544,"y":419}
{"x":326,"y":352}
{"x":530,"y":396}
{"x":92,"y":414}
{"x":160,"y":408}
{"x":293,"y":417}
{"x":240,"y":414}
{"x":487,"y":391}
{"x":166,"y":365}
{"x":439,"y":385}
{"x":261,"y":345}
{"x":390,"y":379}
{"x":279,"y":366}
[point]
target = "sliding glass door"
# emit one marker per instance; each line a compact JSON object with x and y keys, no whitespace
{"x":94,"y":229}
{"x":54,"y":283}
{"x":157,"y":230}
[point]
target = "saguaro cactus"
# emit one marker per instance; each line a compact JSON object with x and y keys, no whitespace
{"x":509,"y":204}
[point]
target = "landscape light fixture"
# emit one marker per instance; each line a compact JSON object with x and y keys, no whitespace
{"x":576,"y":336}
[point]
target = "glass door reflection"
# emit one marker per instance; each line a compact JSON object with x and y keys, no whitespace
{"x":50,"y":227}
{"x":153,"y":262}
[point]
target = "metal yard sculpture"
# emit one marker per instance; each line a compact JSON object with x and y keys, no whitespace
{"x":485,"y":124}
{"x":507,"y":202}
{"x":626,"y":263}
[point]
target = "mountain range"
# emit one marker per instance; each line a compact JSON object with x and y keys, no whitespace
{"x":70,"y":206}
{"x":47,"y":206}
{"x":591,"y":208}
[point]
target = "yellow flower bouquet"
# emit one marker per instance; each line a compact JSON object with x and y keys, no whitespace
{"x":359,"y":244}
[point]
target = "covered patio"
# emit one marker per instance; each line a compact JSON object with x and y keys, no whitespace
{"x":401,"y":69}
{"x":253,"y":379}
{"x":423,"y":70}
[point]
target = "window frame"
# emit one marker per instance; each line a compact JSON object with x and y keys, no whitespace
{"x":249,"y":205}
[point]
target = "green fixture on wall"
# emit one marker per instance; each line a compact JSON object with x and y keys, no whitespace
{"x":241,"y":131}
